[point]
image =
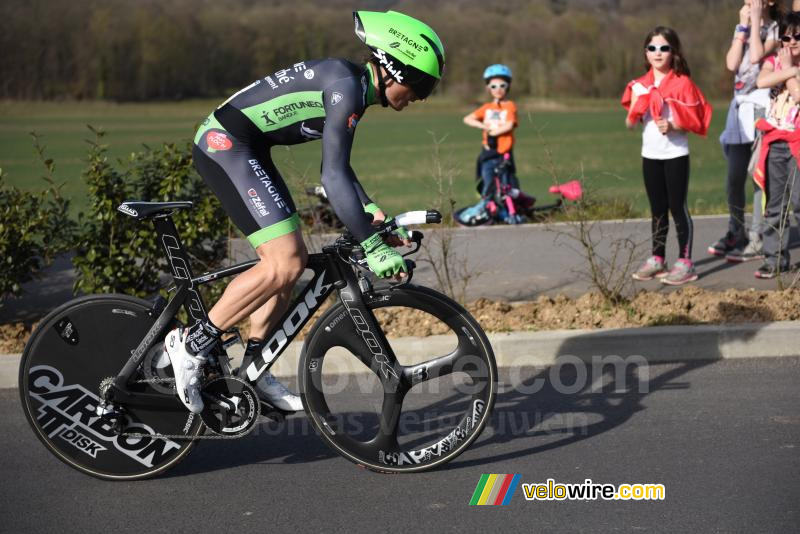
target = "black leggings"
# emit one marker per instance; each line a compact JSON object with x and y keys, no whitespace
{"x":667,"y":185}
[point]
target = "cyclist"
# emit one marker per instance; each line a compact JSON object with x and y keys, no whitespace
{"x":497,"y":119}
{"x":319,"y":99}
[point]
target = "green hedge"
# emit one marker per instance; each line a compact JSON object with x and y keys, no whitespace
{"x":118,"y":254}
{"x":34,"y":228}
{"x":114,"y":253}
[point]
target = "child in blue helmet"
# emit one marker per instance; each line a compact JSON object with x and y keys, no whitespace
{"x":497,"y":119}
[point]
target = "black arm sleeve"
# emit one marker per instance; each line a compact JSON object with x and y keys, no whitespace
{"x":362,"y":195}
{"x":341,"y":185}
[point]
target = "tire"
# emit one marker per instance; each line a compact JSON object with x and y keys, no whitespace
{"x":432,"y":417}
{"x":69,"y":353}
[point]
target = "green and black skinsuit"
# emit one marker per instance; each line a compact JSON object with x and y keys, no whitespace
{"x":321,"y":99}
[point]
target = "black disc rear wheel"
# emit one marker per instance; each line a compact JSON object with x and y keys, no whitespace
{"x":69,"y":354}
{"x":414,"y":408}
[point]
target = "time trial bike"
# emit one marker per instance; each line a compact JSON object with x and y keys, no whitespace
{"x":96,"y":390}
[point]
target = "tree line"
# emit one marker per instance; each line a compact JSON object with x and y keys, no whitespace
{"x":134,"y":50}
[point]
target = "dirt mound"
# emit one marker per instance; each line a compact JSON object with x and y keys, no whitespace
{"x":13,"y":337}
{"x":690,"y":305}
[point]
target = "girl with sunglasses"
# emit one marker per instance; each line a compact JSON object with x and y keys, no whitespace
{"x":497,"y":119}
{"x":777,"y":168}
{"x":669,"y":105}
{"x":754,"y":38}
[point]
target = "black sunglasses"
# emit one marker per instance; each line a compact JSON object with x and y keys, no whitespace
{"x":788,"y":38}
{"x":662,"y":48}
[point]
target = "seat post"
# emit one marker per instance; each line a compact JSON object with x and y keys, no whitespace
{"x":168,"y":238}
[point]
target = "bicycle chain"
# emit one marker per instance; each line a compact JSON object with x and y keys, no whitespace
{"x":181,"y":436}
{"x":171,"y":381}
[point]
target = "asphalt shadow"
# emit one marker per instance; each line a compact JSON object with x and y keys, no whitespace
{"x":540,"y":409}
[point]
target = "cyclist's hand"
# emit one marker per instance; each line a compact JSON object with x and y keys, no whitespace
{"x":378,"y":215}
{"x":382,"y":259}
{"x":399,"y":236}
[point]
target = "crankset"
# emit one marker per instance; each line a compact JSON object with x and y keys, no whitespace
{"x":231,"y":406}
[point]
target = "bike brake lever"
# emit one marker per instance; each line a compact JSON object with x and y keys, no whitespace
{"x":411,"y":264}
{"x":416,"y":238}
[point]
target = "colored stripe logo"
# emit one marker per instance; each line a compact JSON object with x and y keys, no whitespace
{"x":495,"y":489}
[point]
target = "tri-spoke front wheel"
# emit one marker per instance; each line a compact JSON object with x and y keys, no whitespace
{"x":408,"y":397}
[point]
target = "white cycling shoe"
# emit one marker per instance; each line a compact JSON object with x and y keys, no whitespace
{"x":277,"y":394}
{"x":188,"y":370}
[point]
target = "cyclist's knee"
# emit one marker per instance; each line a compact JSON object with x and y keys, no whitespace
{"x":282,"y":261}
{"x":295,"y":262}
{"x":292,"y":267}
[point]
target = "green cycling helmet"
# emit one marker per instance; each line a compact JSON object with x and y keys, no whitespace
{"x":408,"y":49}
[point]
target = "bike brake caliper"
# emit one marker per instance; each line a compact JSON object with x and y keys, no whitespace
{"x":364,"y":284}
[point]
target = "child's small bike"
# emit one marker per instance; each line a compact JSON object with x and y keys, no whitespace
{"x":505,"y":203}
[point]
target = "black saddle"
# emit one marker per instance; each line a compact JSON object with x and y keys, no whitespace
{"x":145,"y":210}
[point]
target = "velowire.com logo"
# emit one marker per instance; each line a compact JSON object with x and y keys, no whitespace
{"x":495,"y":489}
{"x":499,"y":489}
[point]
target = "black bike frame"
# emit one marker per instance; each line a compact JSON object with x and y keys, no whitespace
{"x":328,"y":276}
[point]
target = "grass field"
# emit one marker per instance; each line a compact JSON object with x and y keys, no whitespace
{"x":393,"y":153}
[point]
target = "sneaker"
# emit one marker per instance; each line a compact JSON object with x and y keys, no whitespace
{"x":277,"y":394}
{"x":724,"y":245}
{"x":766,"y":271}
{"x":751,"y":252}
{"x":188,"y":370}
{"x":653,"y":267}
{"x":682,"y":272}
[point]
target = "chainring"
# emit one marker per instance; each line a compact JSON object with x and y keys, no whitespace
{"x":230,"y":406}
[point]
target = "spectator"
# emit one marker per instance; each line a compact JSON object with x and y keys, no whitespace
{"x":780,"y":146}
{"x":670,"y":106}
{"x":497,"y":119}
{"x":755,"y":37}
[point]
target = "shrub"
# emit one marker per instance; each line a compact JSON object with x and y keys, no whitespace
{"x":34,"y":228}
{"x":118,"y":254}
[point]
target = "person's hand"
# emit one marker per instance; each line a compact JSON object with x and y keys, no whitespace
{"x":663,"y":126}
{"x":756,"y":7}
{"x":396,"y":238}
{"x":378,"y":216}
{"x":383,"y":260}
{"x":744,"y":15}
{"x":785,"y":57}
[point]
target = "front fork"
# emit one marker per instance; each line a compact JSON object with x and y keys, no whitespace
{"x":380,"y":357}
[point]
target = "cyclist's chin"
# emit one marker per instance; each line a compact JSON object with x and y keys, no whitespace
{"x":398,"y":106}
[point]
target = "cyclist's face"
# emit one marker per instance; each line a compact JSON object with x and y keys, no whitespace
{"x":399,"y":95}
